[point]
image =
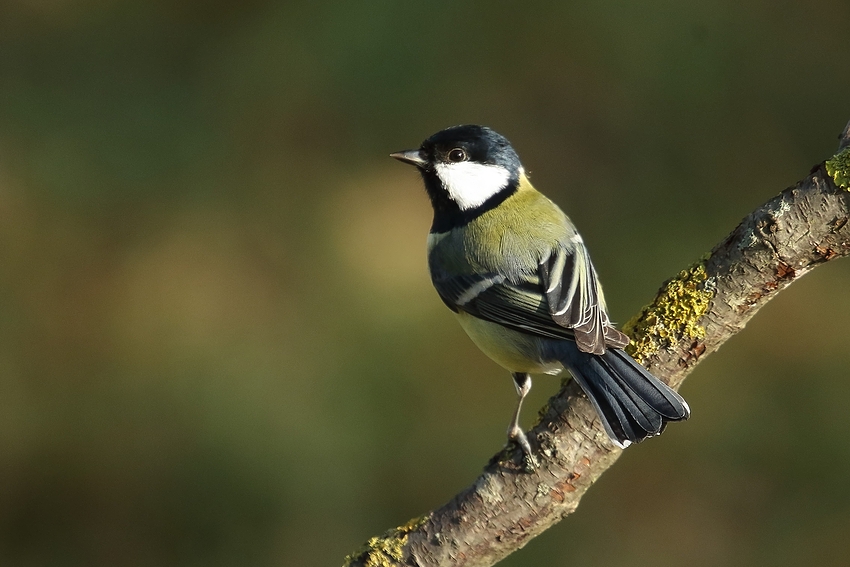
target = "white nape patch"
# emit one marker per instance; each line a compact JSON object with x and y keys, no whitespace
{"x":469,"y":184}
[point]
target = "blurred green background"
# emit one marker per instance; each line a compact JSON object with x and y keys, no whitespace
{"x":218,"y":340}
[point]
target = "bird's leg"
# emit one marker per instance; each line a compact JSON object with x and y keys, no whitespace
{"x":522,"y":382}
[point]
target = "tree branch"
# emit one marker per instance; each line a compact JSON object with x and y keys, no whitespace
{"x":692,"y":315}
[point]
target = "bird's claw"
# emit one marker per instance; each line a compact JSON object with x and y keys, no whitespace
{"x":517,"y":436}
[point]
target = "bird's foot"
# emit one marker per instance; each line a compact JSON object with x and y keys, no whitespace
{"x":517,"y":436}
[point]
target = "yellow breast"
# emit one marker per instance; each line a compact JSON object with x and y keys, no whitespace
{"x":512,"y":350}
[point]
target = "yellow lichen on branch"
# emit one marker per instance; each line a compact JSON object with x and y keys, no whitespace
{"x":838,"y":167}
{"x":674,"y":314}
{"x":387,"y":549}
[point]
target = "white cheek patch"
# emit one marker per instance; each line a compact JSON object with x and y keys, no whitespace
{"x":470,"y":184}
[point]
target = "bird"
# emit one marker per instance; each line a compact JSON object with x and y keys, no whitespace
{"x":517,"y":275}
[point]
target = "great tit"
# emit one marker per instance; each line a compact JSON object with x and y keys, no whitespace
{"x":516,"y":273}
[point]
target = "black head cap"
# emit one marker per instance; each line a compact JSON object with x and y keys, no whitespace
{"x":481,"y":144}
{"x":466,"y":143}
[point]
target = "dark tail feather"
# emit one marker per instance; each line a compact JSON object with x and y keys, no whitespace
{"x":632,"y":403}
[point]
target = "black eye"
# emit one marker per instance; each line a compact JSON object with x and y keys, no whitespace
{"x":456,"y":155}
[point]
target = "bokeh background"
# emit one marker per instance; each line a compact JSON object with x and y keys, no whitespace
{"x":218,"y":340}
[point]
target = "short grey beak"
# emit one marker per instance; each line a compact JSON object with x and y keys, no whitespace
{"x":413,"y":157}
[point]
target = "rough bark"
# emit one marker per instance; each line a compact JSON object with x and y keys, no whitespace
{"x":693,"y":314}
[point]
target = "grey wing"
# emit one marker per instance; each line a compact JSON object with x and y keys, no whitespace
{"x":575,"y":298}
{"x":519,"y":306}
